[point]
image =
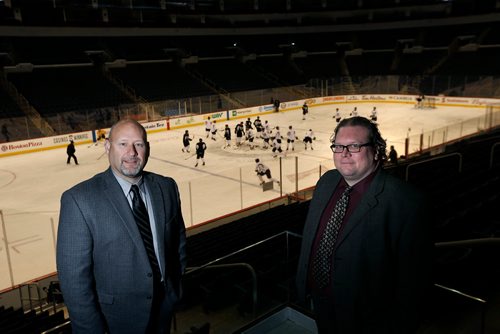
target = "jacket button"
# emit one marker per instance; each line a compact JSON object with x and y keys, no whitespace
{"x":149,"y":297}
{"x":150,"y":275}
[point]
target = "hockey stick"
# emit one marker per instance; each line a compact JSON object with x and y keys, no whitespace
{"x":103,"y":153}
{"x":192,"y":155}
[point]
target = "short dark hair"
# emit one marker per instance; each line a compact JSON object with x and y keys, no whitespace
{"x":374,"y":136}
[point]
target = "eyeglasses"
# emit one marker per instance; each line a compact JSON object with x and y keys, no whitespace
{"x":351,"y":148}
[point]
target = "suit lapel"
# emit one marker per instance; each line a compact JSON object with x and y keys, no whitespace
{"x":323,"y":197}
{"x":367,"y":203}
{"x":158,"y":204}
{"x":120,"y":204}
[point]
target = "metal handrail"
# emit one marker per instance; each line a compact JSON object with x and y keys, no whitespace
{"x":482,"y":302}
{"x":241,"y":265}
{"x":435,"y":158}
{"x":213,"y":264}
{"x":57,"y":328}
{"x":468,"y":242}
{"x":246,"y":248}
{"x":492,"y":153}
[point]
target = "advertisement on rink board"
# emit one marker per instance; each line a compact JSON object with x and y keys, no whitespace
{"x":41,"y":144}
{"x":155,"y":126}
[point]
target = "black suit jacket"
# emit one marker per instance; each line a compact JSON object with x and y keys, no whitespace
{"x":382,"y":257}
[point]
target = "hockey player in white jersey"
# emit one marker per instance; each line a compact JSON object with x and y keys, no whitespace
{"x":250,"y":137}
{"x":208,"y":126}
{"x":265,"y":137}
{"x":290,"y":138}
{"x":308,"y":138}
{"x":337,"y":115}
{"x":213,"y":130}
{"x":276,"y":146}
{"x":261,"y":170}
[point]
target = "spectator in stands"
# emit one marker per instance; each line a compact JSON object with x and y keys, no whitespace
{"x":121,"y":243}
{"x":393,"y":155}
{"x":366,"y":251}
{"x":70,"y":151}
{"x":5,"y":132}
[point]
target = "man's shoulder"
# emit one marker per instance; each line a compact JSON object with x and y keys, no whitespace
{"x":398,"y":186}
{"x":329,"y":177}
{"x":153,"y":177}
{"x":88,"y":185}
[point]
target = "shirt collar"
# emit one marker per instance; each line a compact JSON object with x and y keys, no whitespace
{"x":362,"y":185}
{"x":126,"y":185}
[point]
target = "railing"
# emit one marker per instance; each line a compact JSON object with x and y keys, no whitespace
{"x":435,"y":138}
{"x":492,"y":153}
{"x":246,"y":266}
{"x":482,"y":303}
{"x":236,"y":303}
{"x":459,"y":166}
{"x":461,"y":295}
{"x":246,"y":299}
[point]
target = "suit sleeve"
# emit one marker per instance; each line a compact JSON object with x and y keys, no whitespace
{"x":182,"y":234}
{"x":75,"y":268}
{"x":176,"y":256}
{"x":414,"y":263}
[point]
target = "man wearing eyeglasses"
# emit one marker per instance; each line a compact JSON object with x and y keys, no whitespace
{"x":366,"y":252}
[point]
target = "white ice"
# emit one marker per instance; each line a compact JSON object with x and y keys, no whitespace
{"x":31,"y":184}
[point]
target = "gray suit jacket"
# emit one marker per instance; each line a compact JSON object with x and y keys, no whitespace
{"x":382,"y":259}
{"x":102,"y":264}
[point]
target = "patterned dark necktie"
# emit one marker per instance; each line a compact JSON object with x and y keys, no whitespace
{"x":322,"y":261}
{"x":142,"y":219}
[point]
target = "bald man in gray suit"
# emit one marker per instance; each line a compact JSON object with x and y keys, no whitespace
{"x":107,"y":276}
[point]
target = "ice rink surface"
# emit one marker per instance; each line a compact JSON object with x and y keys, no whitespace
{"x":31,"y":184}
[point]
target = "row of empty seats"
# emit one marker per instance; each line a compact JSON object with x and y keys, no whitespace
{"x":16,"y":321}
